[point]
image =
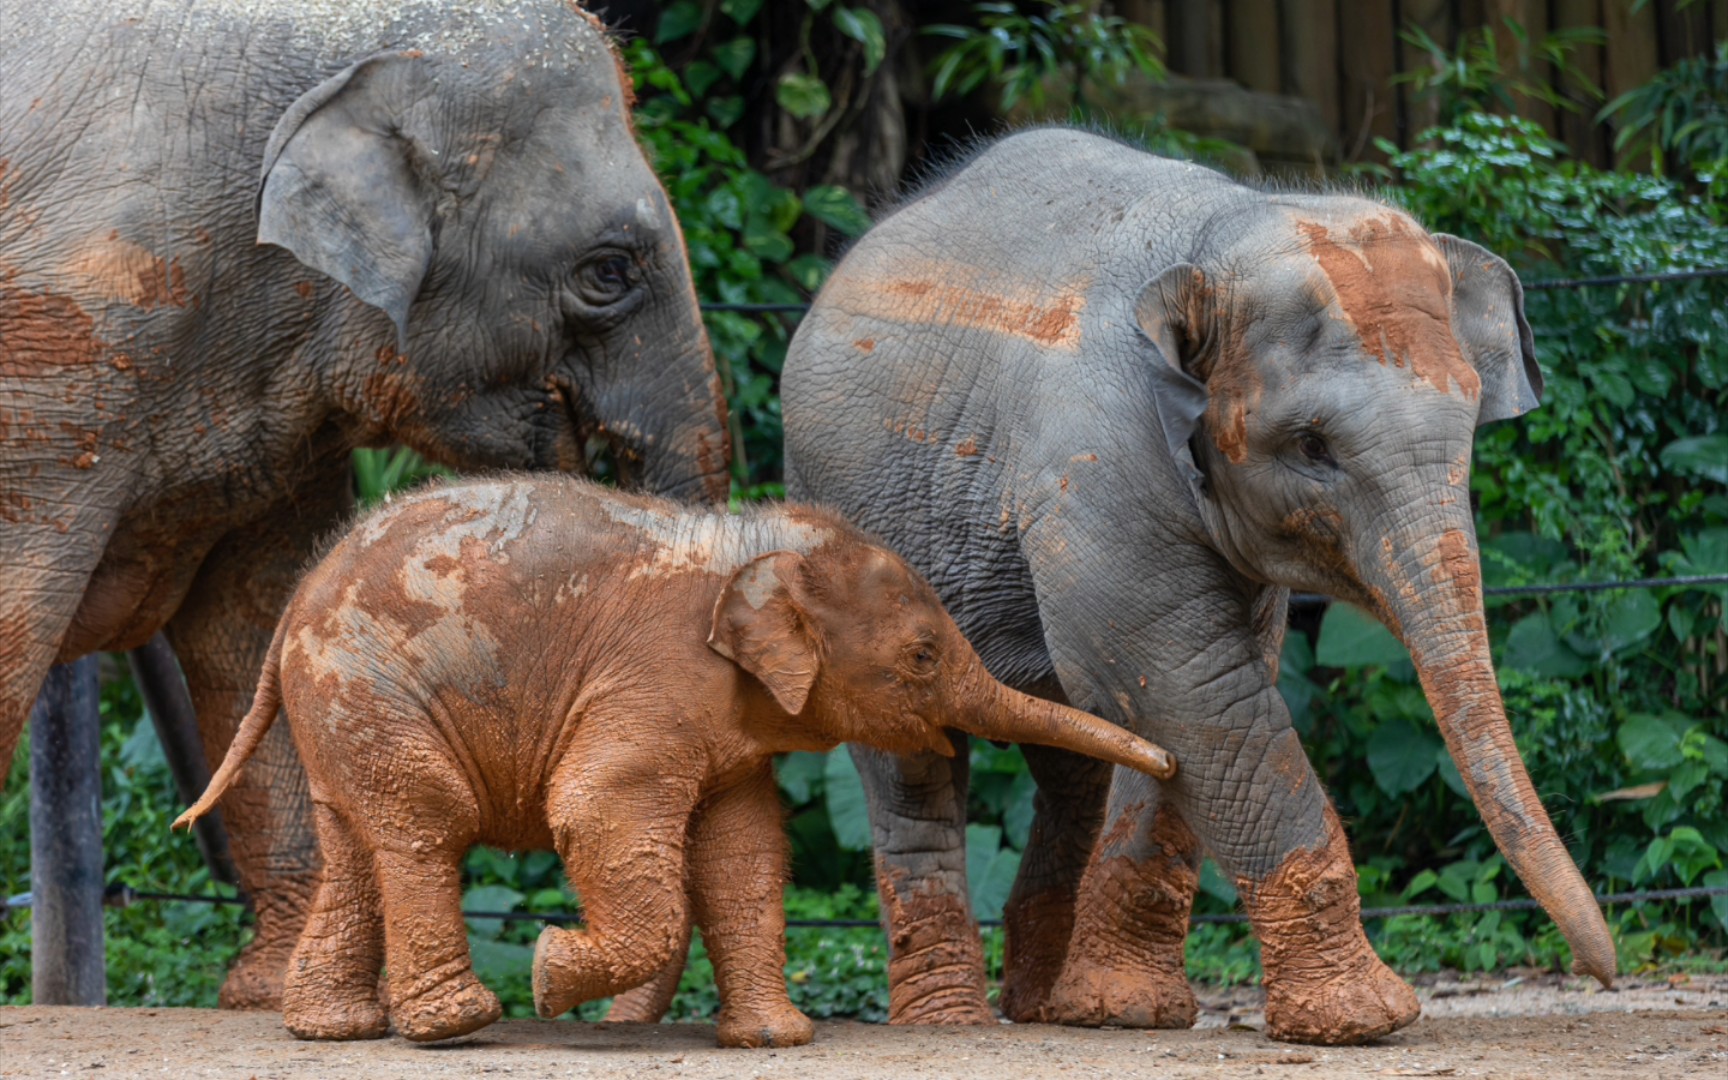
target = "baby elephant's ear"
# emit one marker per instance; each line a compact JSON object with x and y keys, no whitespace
{"x":1488,"y":321}
{"x":760,"y":625}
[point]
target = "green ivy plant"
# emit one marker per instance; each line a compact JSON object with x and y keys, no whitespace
{"x":1020,"y":52}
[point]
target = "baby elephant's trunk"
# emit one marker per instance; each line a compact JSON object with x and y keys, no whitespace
{"x":989,"y":709}
{"x":266,"y":703}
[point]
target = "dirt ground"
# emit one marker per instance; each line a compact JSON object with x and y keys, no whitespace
{"x":1541,"y":1027}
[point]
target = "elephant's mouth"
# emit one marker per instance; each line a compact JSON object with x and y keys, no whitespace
{"x":584,"y":443}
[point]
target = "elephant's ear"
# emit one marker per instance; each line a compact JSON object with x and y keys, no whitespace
{"x":1165,"y":312}
{"x":760,"y":625}
{"x":344,"y":189}
{"x":1488,"y":321}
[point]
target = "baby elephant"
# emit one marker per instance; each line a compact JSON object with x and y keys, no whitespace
{"x":542,"y":662}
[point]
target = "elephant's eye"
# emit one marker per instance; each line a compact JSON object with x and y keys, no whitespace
{"x":607,"y":278}
{"x":922,"y":658}
{"x":1314,"y":448}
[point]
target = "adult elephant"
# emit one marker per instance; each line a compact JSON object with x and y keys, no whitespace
{"x":1114,"y":407}
{"x":239,"y":240}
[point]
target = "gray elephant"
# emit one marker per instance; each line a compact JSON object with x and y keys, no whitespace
{"x":239,"y":240}
{"x":1114,"y":407}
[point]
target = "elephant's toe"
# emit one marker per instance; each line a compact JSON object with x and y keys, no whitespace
{"x":1344,"y":1011}
{"x":450,"y":1009}
{"x":1099,"y":997}
{"x":335,"y":1021}
{"x":780,"y":1026}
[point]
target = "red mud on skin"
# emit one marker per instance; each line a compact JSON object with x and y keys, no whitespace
{"x":1395,"y":287}
{"x":1324,"y":983}
{"x":936,"y":961}
{"x":934,"y":293}
{"x":1125,"y":961}
{"x":44,"y":331}
{"x":118,"y":270}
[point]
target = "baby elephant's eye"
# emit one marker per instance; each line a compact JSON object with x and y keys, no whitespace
{"x":607,"y":278}
{"x":922,"y":658}
{"x":1313,"y":447}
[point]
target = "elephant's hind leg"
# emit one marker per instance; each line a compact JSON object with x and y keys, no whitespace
{"x":331,"y":990}
{"x":1125,"y":962}
{"x":648,"y":1003}
{"x":220,"y":634}
{"x":918,"y":815}
{"x":737,"y":873}
{"x":1039,"y":916}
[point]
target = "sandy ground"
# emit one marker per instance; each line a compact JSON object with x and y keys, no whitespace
{"x":1542,"y":1027}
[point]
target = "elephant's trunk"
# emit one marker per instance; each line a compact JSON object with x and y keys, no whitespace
{"x":1432,"y":598}
{"x":987,"y":708}
{"x":669,"y":435}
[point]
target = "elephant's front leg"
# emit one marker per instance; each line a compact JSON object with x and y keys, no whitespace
{"x":918,"y":818}
{"x":737,"y":876}
{"x":220,"y":635}
{"x":620,"y":818}
{"x":1125,"y":963}
{"x":1038,"y":919}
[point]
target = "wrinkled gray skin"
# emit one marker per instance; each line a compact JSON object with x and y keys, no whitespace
{"x":238,"y":240}
{"x":1113,"y":407}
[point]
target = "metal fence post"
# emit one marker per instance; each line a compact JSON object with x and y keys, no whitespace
{"x":66,"y":886}
{"x":157,"y":672}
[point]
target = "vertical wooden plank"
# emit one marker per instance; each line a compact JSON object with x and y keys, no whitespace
{"x":1190,"y":38}
{"x":67,"y":966}
{"x":1532,"y":16}
{"x":1632,"y":56}
{"x":1368,"y":44}
{"x":1581,"y":132}
{"x":157,"y":673}
{"x":1434,"y":17}
{"x":1252,"y":38}
{"x":1311,"y":45}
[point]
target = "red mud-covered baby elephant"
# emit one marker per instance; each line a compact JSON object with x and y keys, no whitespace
{"x":540,"y":662}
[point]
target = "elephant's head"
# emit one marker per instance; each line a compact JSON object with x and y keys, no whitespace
{"x":1320,"y":375}
{"x":853,"y":646}
{"x":525,"y":283}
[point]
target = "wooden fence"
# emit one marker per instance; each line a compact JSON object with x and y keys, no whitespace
{"x":1342,"y":54}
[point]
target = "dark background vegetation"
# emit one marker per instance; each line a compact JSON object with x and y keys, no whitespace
{"x":1576,"y":139}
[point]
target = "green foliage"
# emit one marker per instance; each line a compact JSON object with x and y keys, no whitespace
{"x":1491,"y":71}
{"x":1679,"y":118}
{"x":1617,"y":698}
{"x":158,"y":954}
{"x":737,"y":224}
{"x":1019,"y":52}
{"x":378,"y":473}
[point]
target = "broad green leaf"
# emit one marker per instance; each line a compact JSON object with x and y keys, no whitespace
{"x":1534,"y":646}
{"x":798,"y":774}
{"x":1703,"y":456}
{"x":700,"y":77}
{"x":489,"y":898}
{"x":1650,"y":743}
{"x":990,"y":870}
{"x":809,"y":271}
{"x":734,"y":56}
{"x":1401,"y":756}
{"x":1214,"y":883}
{"x":1718,"y":879}
{"x":1017,"y":819}
{"x":495,"y":961}
{"x":804,"y":96}
{"x":862,"y":26}
{"x":843,"y":792}
{"x":761,"y":238}
{"x":741,"y":11}
{"x":1631,"y":617}
{"x":834,"y":205}
{"x":143,"y":750}
{"x":1448,"y":770}
{"x":1350,"y":637}
{"x":678,"y":21}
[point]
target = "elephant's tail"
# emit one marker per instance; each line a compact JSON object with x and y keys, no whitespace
{"x":266,"y":703}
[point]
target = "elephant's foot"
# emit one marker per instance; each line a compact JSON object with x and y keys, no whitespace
{"x":935,"y":961}
{"x":648,"y":1003}
{"x":778,"y":1025}
{"x":1324,"y":984}
{"x":1354,"y":1006}
{"x":1098,"y":996}
{"x":443,"y":1004}
{"x":312,"y":1011}
{"x":1125,"y":966}
{"x":1038,"y":929}
{"x":255,"y":980}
